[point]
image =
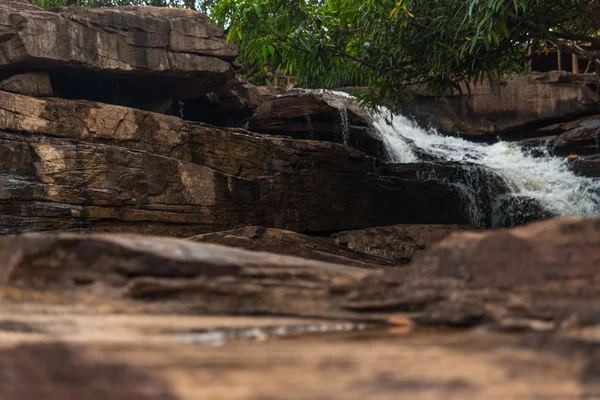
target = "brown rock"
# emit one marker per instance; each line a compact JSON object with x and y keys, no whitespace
{"x":176,"y":52}
{"x":396,"y":243}
{"x":35,"y":84}
{"x":542,"y":275}
{"x":169,"y":357}
{"x":183,"y":275}
{"x":159,"y":174}
{"x":580,"y":137}
{"x":512,"y":105}
{"x":316,"y":115}
{"x":546,"y":251}
{"x":539,"y":277}
{"x":292,"y":244}
{"x":62,"y":371}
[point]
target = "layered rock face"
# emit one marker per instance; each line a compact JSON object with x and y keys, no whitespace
{"x":90,"y":166}
{"x":296,"y":113}
{"x":511,"y":108}
{"x":155,"y":53}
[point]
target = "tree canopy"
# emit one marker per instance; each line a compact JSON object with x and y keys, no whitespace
{"x":393,"y":46}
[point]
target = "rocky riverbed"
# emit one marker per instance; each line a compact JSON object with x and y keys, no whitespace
{"x":169,"y":231}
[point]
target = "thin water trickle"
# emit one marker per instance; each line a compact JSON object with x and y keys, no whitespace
{"x":344,"y":126}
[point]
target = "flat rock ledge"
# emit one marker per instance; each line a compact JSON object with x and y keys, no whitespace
{"x":175,"y":52}
{"x":154,"y":317}
{"x":539,"y":277}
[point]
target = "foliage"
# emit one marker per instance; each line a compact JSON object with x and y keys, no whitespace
{"x":393,"y":45}
{"x":200,"y":5}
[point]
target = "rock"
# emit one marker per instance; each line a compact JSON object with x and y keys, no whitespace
{"x":169,"y":275}
{"x":580,"y":137}
{"x":587,"y":166}
{"x":293,"y":244}
{"x":316,"y":115}
{"x":477,"y":187}
{"x":64,"y":371}
{"x":89,"y":166}
{"x":116,"y":55}
{"x":172,"y":357}
{"x":396,"y":243}
{"x":518,"y":210}
{"x":543,"y":272}
{"x":226,"y":109}
{"x":511,"y":108}
{"x":539,"y":277}
{"x":35,"y":84}
{"x":175,"y":357}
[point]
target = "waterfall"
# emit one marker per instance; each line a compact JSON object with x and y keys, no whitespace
{"x":534,"y":180}
{"x":543,"y":178}
{"x":310,"y":127}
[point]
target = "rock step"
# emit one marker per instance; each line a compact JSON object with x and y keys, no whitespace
{"x":538,"y":277}
{"x":112,"y":168}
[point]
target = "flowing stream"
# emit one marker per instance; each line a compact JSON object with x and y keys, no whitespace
{"x":544,"y":178}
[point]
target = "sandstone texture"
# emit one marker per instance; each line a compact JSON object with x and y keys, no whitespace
{"x":294,"y":244}
{"x":166,"y":52}
{"x":537,"y":277}
{"x":510,"y":108}
{"x":80,"y":165}
{"x":127,"y":309}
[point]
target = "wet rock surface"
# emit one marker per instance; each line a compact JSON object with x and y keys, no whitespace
{"x":78,"y":165}
{"x":294,"y":113}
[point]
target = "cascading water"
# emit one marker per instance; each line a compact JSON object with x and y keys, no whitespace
{"x":545,"y":178}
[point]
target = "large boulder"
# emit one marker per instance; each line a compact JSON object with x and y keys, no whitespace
{"x":511,"y":108}
{"x":293,"y":244}
{"x":317,"y":115}
{"x":116,"y":55}
{"x":541,"y":275}
{"x":91,"y":166}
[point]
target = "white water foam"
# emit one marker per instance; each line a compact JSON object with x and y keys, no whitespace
{"x":545,"y":178}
